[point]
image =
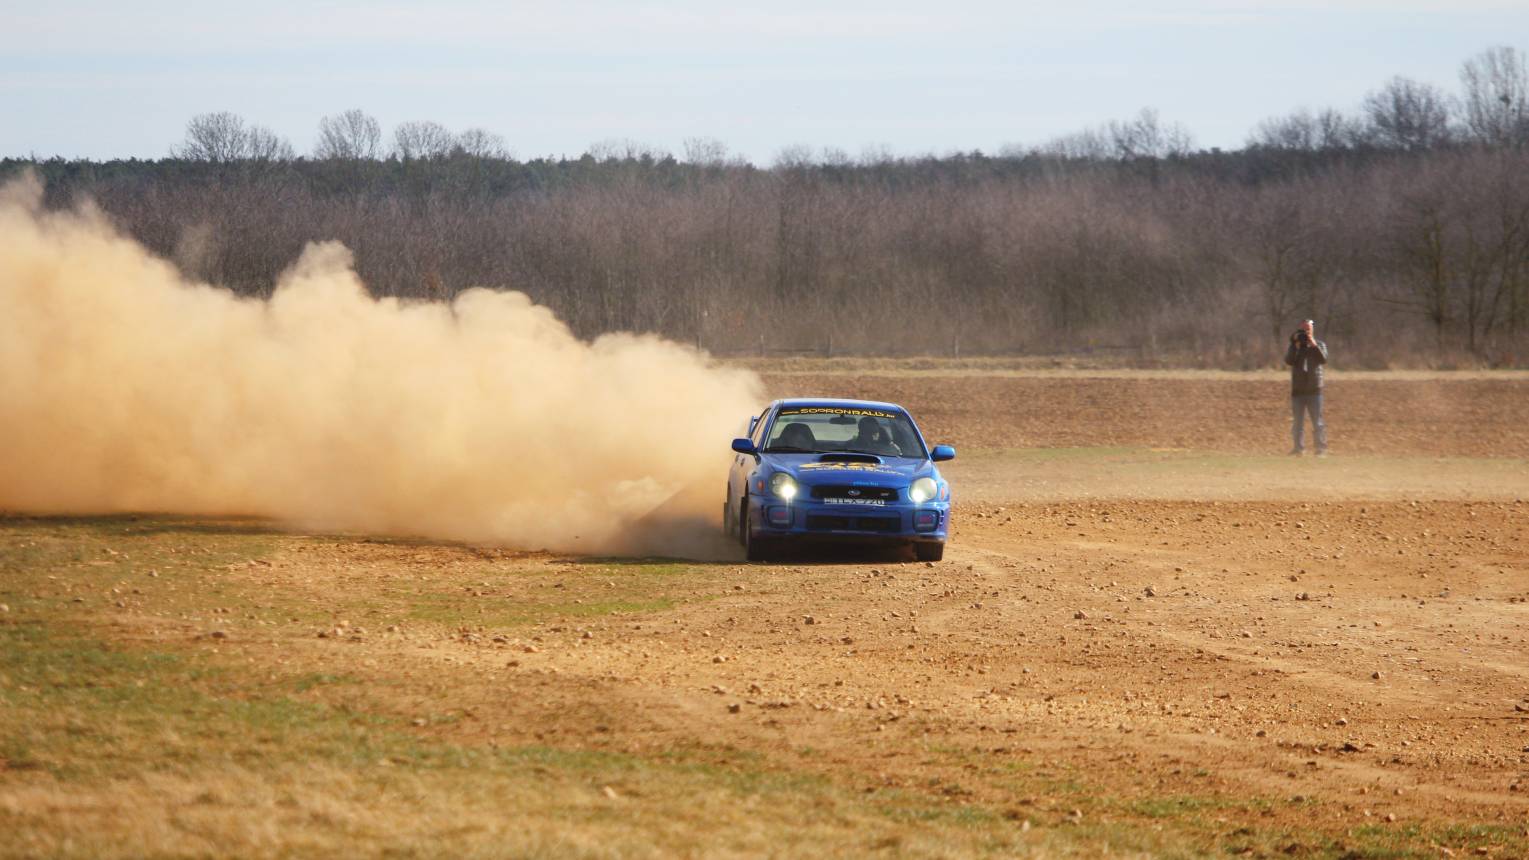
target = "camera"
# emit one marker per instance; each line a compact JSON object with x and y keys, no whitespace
{"x":1300,"y":336}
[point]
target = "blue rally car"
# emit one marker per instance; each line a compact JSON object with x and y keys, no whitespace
{"x":839,"y":470}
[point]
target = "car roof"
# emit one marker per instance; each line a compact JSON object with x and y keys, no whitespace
{"x":836,"y":402}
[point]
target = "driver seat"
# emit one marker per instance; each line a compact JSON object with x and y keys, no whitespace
{"x":798,"y":435}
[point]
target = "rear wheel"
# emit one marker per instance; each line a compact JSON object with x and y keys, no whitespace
{"x":929,"y":551}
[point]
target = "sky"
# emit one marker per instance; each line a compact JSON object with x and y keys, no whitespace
{"x":110,"y":79}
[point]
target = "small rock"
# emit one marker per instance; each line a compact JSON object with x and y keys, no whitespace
{"x":1375,"y":675}
{"x":1341,"y":721}
{"x":418,"y":722}
{"x":719,"y":659}
{"x":610,"y":793}
{"x":1303,"y":596}
{"x":808,"y":619}
{"x":216,"y":634}
{"x":1149,"y":591}
{"x":734,"y":708}
{"x":1080,"y":614}
{"x":1390,"y":816}
{"x":4,"y":608}
{"x":588,"y":635}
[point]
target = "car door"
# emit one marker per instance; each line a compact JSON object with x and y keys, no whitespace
{"x":743,"y":464}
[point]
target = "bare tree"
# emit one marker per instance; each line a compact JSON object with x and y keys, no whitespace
{"x":1143,"y":136}
{"x":1146,"y":136}
{"x":262,"y":144}
{"x":1495,"y":103}
{"x":481,"y":143}
{"x":349,"y":135}
{"x":1294,"y":131}
{"x":1305,"y":131}
{"x":1086,"y":144}
{"x":224,"y":137}
{"x":1406,"y":114}
{"x":706,"y":151}
{"x":795,"y":156}
{"x":217,"y":137}
{"x":422,"y":139}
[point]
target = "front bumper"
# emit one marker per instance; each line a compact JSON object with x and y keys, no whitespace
{"x":808,"y":519}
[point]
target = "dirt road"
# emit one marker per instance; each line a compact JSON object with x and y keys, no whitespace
{"x":1170,"y":672}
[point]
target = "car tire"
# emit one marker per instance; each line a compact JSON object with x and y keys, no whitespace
{"x":929,"y":551}
{"x":754,"y":548}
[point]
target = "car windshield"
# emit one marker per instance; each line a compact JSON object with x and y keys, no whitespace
{"x":842,"y":429}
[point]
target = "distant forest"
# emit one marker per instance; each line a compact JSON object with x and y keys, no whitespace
{"x":1402,"y":226}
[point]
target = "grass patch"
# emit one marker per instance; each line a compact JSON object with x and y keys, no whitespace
{"x":167,"y":753}
{"x":504,"y":612}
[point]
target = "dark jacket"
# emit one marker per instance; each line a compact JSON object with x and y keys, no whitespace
{"x":1306,"y":367}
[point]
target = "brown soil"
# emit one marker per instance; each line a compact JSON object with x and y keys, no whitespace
{"x":1367,"y":655}
{"x":1373,"y":414}
{"x":1335,"y":662}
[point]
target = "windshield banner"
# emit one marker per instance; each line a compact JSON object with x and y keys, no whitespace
{"x":835,"y":410}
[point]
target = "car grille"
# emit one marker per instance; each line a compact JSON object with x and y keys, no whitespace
{"x":844,"y":491}
{"x":825,"y":523}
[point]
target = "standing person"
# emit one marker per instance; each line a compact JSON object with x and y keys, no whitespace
{"x":1306,"y":356}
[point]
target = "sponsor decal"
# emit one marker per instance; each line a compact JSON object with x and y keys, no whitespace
{"x":835,"y":410}
{"x":873,"y":468}
{"x":872,"y":502}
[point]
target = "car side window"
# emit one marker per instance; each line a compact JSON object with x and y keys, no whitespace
{"x":759,"y":427}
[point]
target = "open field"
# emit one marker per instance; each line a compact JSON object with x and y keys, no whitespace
{"x":1151,"y":636}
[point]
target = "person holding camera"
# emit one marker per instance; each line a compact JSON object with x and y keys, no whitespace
{"x":1306,"y":356}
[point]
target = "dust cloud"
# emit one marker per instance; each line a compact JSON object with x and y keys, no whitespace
{"x":125,"y":386}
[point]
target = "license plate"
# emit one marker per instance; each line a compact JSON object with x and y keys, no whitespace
{"x":872,"y":502}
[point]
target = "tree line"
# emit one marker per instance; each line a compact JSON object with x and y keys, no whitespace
{"x":1402,"y":225}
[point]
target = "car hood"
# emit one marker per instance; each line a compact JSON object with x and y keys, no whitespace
{"x":810,"y":469}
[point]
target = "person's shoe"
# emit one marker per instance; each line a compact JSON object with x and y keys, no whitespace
{"x":1321,"y":453}
{"x":1296,"y":452}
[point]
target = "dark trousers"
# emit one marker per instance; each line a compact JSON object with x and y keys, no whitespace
{"x":1300,"y":405}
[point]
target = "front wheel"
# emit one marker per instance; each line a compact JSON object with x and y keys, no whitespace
{"x":929,"y":551}
{"x":754,"y":548}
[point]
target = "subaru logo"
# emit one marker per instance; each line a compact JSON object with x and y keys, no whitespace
{"x":854,"y":492}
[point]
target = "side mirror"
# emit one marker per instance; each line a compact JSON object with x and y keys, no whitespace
{"x":942,"y":452}
{"x":744,"y":446}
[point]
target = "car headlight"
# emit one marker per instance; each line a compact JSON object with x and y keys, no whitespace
{"x":783,"y":485}
{"x":923,"y":490}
